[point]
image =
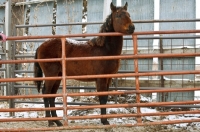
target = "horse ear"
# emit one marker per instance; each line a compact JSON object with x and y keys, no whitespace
{"x":112,"y":7}
{"x":125,"y":6}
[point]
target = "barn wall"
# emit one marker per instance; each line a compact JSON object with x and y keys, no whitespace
{"x":69,"y":12}
{"x":94,"y":14}
{"x":139,"y":10}
{"x":173,"y":9}
{"x":2,"y":13}
{"x":2,"y":48}
{"x":41,"y":13}
{"x":178,"y":9}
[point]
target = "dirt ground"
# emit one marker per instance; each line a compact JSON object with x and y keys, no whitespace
{"x":41,"y":124}
{"x":192,"y":127}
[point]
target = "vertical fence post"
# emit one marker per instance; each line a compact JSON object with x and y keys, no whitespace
{"x":64,"y":82}
{"x":135,"y":45}
{"x":163,"y":99}
{"x":9,"y":67}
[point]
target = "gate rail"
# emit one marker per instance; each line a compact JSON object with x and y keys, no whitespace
{"x":135,"y":56}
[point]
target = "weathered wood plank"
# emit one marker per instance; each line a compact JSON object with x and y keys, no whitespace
{"x":69,"y":12}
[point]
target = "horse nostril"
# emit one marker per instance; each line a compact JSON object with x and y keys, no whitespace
{"x":131,"y":28}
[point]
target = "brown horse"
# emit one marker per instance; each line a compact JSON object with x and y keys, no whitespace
{"x":118,"y":21}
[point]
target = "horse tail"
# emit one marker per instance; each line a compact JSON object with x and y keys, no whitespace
{"x":37,"y":72}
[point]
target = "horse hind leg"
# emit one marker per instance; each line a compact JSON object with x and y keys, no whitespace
{"x":46,"y":105}
{"x":52,"y":102}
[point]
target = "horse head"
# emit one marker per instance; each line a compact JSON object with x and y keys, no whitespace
{"x":121,"y":19}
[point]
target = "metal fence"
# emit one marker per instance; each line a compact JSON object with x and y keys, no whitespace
{"x":36,"y":23}
{"x":166,"y":61}
{"x":134,"y":73}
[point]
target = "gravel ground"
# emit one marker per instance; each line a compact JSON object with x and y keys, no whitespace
{"x":163,"y":128}
{"x":192,"y":127}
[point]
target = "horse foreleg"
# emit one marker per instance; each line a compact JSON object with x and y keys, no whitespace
{"x":103,"y":100}
{"x":103,"y":85}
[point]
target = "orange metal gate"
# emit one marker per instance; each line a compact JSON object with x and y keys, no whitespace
{"x":136,"y":74}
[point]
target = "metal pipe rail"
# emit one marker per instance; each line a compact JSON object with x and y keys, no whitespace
{"x":127,"y":38}
{"x":102,"y":34}
{"x":140,"y":56}
{"x":87,"y":117}
{"x":102,"y":127}
{"x":93,"y":23}
{"x":166,"y":104}
{"x":120,"y":71}
{"x":93,"y":88}
{"x":114,"y":93}
{"x":63,"y":59}
{"x":100,"y":76}
{"x":3,"y":84}
{"x":2,"y":69}
{"x":80,"y":103}
{"x":100,"y":93}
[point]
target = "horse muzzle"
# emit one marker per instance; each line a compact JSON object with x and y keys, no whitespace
{"x":131,"y":29}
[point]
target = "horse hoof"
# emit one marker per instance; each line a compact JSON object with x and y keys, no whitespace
{"x":58,"y":123}
{"x":109,"y":130}
{"x":51,"y":124}
{"x":105,"y":123}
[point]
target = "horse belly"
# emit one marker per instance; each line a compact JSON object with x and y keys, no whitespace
{"x":80,"y":68}
{"x":91,"y":68}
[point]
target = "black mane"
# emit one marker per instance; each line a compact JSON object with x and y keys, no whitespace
{"x":106,"y":27}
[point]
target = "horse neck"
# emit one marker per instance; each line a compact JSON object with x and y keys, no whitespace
{"x":112,"y":43}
